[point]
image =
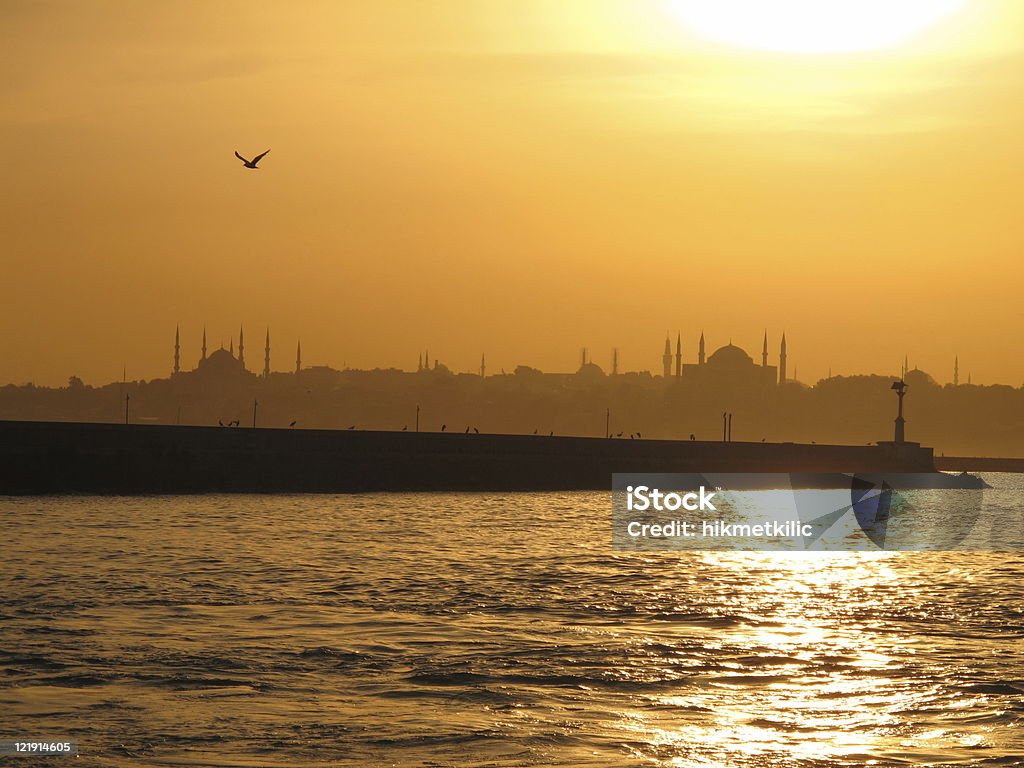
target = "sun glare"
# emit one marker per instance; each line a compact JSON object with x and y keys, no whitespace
{"x":811,"y":26}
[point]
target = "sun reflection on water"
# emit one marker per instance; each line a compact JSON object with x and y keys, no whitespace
{"x":799,"y":684}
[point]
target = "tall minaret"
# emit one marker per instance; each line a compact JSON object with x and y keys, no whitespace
{"x":666,"y":359}
{"x":298,"y":356}
{"x":204,"y":343}
{"x":615,"y":362}
{"x":679,"y":355}
{"x":266,"y":357}
{"x":782,"y":360}
{"x":419,"y":363}
{"x":764,"y":351}
{"x":700,"y":350}
{"x":177,"y":349}
{"x":956,"y":371}
{"x":483,"y":365}
{"x":241,"y":346}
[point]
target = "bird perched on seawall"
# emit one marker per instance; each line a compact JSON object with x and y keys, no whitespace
{"x":251,"y":164}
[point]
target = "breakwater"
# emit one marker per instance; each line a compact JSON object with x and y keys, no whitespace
{"x":60,"y":457}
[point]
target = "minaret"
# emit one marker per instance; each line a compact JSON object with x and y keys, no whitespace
{"x":679,"y":355}
{"x":266,"y":357}
{"x":483,"y":366}
{"x":666,"y":359}
{"x":177,"y":349}
{"x":700,"y":350}
{"x":615,"y":362}
{"x":782,"y":360}
{"x":419,"y":363}
{"x":204,"y":343}
{"x":426,"y":360}
{"x":241,"y":346}
{"x":956,"y":371}
{"x":298,"y":356}
{"x":764,"y":351}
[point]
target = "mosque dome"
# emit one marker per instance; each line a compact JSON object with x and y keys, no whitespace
{"x":730,"y":356}
{"x":220,"y":361}
{"x":591,"y":370}
{"x":919,"y":378}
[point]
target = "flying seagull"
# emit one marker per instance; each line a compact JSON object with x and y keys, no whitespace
{"x":251,"y":163}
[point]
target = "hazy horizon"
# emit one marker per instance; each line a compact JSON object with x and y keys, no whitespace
{"x":512,"y":178}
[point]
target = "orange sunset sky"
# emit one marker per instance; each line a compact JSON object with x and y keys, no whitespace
{"x":515,"y":177}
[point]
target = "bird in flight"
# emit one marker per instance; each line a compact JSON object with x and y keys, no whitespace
{"x":251,"y":163}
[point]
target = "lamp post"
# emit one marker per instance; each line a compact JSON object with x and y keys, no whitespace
{"x":901,"y":390}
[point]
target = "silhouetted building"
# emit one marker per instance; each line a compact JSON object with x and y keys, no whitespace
{"x":220,"y":364}
{"x":729,"y":368}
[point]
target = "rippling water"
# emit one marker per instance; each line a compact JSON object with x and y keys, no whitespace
{"x":488,"y":630}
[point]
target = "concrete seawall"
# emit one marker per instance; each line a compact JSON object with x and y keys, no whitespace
{"x":57,"y":457}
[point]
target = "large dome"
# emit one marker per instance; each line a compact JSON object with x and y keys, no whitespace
{"x":919,"y":378}
{"x":220,"y":361}
{"x":730,"y":356}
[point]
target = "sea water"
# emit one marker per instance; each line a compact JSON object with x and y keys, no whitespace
{"x":488,"y":630}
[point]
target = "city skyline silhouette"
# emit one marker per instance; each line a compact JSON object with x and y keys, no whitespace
{"x":694,"y":398}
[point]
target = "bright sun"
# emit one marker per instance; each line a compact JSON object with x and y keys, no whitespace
{"x":811,"y":26}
